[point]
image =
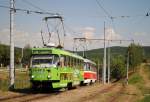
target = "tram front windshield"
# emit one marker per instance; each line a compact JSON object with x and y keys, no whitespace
{"x":44,"y":61}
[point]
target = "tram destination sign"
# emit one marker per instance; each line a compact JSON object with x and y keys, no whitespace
{"x":41,"y":51}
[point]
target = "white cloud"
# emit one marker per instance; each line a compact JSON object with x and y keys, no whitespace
{"x":21,"y":38}
{"x":112,"y":35}
{"x":88,"y":32}
{"x":139,"y":34}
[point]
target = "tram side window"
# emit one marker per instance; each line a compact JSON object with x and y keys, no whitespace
{"x":70,"y":61}
{"x":75,"y":62}
{"x":78,"y":63}
{"x":61,"y":62}
{"x":88,"y":66}
{"x":66,"y":61}
{"x":94,"y":68}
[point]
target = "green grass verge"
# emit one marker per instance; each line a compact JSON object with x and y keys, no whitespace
{"x":145,"y":99}
{"x":146,"y":90}
{"x":136,"y":79}
{"x":147,"y":70}
{"x":21,"y":80}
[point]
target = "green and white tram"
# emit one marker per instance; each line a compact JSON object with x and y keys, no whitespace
{"x":55,"y":68}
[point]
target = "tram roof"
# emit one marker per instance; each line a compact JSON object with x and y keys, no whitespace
{"x":89,"y":61}
{"x":54,"y":51}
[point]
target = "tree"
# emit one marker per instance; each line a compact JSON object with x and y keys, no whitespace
{"x":135,"y":55}
{"x":26,"y":54}
{"x":118,"y":67}
{"x":17,"y":55}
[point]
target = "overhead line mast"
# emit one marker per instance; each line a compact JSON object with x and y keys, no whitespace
{"x":11,"y":68}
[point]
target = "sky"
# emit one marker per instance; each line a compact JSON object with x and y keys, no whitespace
{"x":82,"y":18}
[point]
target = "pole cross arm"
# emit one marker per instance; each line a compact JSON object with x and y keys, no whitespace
{"x":53,"y":17}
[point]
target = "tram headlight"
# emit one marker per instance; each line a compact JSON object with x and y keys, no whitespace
{"x":32,"y":76}
{"x":48,"y":76}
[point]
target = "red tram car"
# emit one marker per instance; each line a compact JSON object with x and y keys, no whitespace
{"x":90,"y":72}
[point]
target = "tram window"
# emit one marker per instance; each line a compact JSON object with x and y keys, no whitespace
{"x":62,"y":61}
{"x":43,"y":60}
{"x":65,"y":61}
{"x":78,"y":62}
{"x":70,"y":61}
{"x":75,"y":62}
{"x":55,"y":59}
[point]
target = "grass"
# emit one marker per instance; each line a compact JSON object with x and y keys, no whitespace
{"x":147,"y":70}
{"x":146,"y":90}
{"x":136,"y":79}
{"x":21,"y":80}
{"x":145,"y":99}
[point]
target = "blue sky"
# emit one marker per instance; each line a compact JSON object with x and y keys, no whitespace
{"x":80,"y":16}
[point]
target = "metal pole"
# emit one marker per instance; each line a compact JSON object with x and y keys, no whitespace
{"x":22,"y":58}
{"x":127,"y":67}
{"x":98,"y":71}
{"x":108,"y":63}
{"x":12,"y":75}
{"x":104,"y":59}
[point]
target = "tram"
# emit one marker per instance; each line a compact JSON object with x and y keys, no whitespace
{"x":55,"y":68}
{"x":90,"y":72}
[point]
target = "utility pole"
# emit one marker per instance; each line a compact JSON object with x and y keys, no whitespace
{"x":98,"y":76}
{"x":11,"y":70}
{"x":127,"y":68}
{"x":104,"y":59}
{"x":108,"y":63}
{"x":22,"y":58}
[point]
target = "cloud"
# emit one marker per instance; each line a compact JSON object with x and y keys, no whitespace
{"x":139,"y":34}
{"x":112,"y":35}
{"x":21,"y":38}
{"x":88,"y":32}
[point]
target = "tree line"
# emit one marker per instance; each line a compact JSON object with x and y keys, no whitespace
{"x":21,"y":55}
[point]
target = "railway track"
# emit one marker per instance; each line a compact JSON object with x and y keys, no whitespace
{"x":27,"y":97}
{"x":113,"y":98}
{"x":32,"y":96}
{"x":94,"y":95}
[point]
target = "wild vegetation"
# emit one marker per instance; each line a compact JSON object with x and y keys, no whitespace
{"x":141,"y":81}
{"x":5,"y":55}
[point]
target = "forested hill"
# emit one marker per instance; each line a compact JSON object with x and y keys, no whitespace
{"x":116,"y":50}
{"x":95,"y":54}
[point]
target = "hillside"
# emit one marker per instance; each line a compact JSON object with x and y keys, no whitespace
{"x":116,"y":50}
{"x":95,"y":54}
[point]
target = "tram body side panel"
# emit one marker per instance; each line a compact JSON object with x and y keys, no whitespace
{"x":58,"y":77}
{"x":89,"y":76}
